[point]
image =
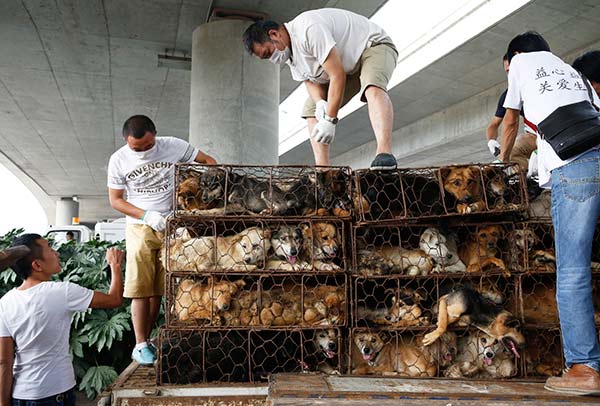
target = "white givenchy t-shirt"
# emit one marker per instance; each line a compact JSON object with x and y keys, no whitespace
{"x":39,"y":321}
{"x":148,"y":176}
{"x":314,"y":33}
{"x":540,"y":82}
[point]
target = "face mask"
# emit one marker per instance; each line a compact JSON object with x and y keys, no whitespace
{"x":145,"y":154}
{"x":279,"y":57}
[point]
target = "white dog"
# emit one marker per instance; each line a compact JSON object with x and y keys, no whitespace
{"x":443,"y":250}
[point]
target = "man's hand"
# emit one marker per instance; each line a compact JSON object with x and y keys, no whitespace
{"x":114,"y":257}
{"x":155,"y":220}
{"x":321,"y":110}
{"x":494,"y":147}
{"x":324,"y":132}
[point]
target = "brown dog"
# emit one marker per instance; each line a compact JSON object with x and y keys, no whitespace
{"x":189,"y":195}
{"x":205,"y":300}
{"x":481,"y":250}
{"x":376,"y":353}
{"x":464,"y":183}
{"x":404,"y":312}
{"x":321,"y":245}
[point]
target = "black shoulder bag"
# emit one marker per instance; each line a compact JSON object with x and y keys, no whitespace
{"x":574,"y":128}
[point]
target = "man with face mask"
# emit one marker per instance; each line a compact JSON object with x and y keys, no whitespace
{"x":144,"y":167}
{"x":337,"y":54}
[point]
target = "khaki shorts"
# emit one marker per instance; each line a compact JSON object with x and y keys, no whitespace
{"x":525,"y":144}
{"x":376,"y":66}
{"x":144,"y":272}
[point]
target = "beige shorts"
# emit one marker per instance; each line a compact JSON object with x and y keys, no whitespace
{"x":525,"y":144}
{"x":376,"y":66}
{"x":144,"y":272}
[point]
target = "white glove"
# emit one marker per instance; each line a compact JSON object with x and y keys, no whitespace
{"x":321,"y":110}
{"x":532,"y":167}
{"x":324,"y":132}
{"x":155,"y":220}
{"x":494,"y":147}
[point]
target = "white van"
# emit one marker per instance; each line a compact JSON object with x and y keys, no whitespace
{"x":110,"y":230}
{"x":77,"y":232}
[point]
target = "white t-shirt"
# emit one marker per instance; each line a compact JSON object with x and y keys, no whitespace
{"x":39,"y":320}
{"x":314,"y":33}
{"x":539,"y":83}
{"x":148,"y":176}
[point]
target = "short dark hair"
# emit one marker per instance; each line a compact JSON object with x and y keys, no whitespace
{"x":529,"y":41}
{"x":137,"y":126}
{"x":505,"y":57}
{"x":22,"y":266}
{"x":258,"y":33}
{"x":589,"y":65}
{"x":70,"y":233}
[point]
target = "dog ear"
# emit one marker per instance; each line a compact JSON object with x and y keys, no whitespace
{"x":420,"y":294}
{"x":266,"y":232}
{"x":239,"y":283}
{"x":306,"y":230}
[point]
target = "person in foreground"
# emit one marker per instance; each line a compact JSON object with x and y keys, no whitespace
{"x":35,"y":319}
{"x":561,"y":104}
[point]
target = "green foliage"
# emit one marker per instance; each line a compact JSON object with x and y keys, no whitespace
{"x":101,"y":340}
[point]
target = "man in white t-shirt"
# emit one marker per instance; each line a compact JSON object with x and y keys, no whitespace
{"x":540,"y":82}
{"x":337,"y":54}
{"x":35,"y":320}
{"x":145,"y":169}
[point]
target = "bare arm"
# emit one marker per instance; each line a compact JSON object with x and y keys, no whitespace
{"x":337,"y":81}
{"x":7,"y":358}
{"x":118,"y":202}
{"x":203,"y":158}
{"x":492,"y":130}
{"x":315,"y":91}
{"x":114,"y":297}
{"x":510,"y":127}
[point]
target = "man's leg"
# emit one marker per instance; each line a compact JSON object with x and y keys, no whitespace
{"x":381,"y":114}
{"x":575,"y":211}
{"x":140,"y":308}
{"x":320,"y":151}
{"x":153,"y":309}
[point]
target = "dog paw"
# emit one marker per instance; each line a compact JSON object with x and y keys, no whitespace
{"x":431,"y":338}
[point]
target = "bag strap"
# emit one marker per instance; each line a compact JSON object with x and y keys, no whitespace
{"x":589,"y":89}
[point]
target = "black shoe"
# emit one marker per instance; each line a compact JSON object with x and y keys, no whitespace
{"x":384,"y":162}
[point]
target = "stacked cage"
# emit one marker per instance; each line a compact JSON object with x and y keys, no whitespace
{"x":256,"y":272}
{"x":421,"y":235}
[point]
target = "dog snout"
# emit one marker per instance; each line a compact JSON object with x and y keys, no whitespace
{"x":366,"y":351}
{"x":225,"y":306}
{"x":489,"y":354}
{"x":449,"y":256}
{"x":332,"y":346}
{"x":294,"y":251}
{"x":468,"y":199}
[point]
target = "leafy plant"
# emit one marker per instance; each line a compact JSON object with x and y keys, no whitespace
{"x":101,"y":340}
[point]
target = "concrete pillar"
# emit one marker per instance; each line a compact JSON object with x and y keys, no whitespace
{"x":234,"y":97}
{"x":66,"y":209}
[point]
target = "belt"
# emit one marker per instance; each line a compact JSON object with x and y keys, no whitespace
{"x":59,"y":399}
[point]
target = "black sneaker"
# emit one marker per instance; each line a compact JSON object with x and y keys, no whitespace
{"x":384,"y":162}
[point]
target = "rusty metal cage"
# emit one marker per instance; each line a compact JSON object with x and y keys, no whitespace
{"x":242,"y":355}
{"x":532,"y":247}
{"x":266,"y":301}
{"x":272,"y":191}
{"x":434,"y":192}
{"x":543,"y":356}
{"x":409,"y":303}
{"x":254,"y":245}
{"x":421,"y":250}
{"x":457,"y":354}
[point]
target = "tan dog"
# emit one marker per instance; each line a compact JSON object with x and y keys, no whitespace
{"x":321,"y":246}
{"x":189,"y":195}
{"x":464,"y":183}
{"x":404,"y":312}
{"x":245,"y":251}
{"x":205,"y":300}
{"x":482,"y":356}
{"x":481,"y":250}
{"x":387,"y":259}
{"x":523,"y":241}
{"x":539,"y":304}
{"x":375,"y":353}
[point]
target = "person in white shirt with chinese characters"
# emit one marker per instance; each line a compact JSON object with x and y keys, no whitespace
{"x":544,"y":85}
{"x":337,"y":54}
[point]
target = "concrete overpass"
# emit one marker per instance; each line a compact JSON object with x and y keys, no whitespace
{"x":72,"y":71}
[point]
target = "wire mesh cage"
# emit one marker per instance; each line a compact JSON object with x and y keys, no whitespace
{"x":193,"y":356}
{"x":267,"y":301}
{"x":384,"y":352}
{"x":252,"y":245}
{"x":543,"y":356}
{"x":538,"y":300}
{"x":274,"y":191}
{"x":439,"y":191}
{"x":421,"y":250}
{"x":532,"y":247}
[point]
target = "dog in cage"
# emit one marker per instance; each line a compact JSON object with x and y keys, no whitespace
{"x":379,"y":353}
{"x":204,"y":301}
{"x":468,"y":307}
{"x":443,"y":251}
{"x":322,"y":193}
{"x":190,"y":195}
{"x":321,"y":246}
{"x":321,"y":348}
{"x":394,"y":259}
{"x":244,"y":251}
{"x":287,"y":243}
{"x":481,"y":249}
{"x":522,"y":245}
{"x":482,"y":356}
{"x":464,"y":184}
{"x":543,"y":354}
{"x":404,"y":311}
{"x":259,"y":196}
